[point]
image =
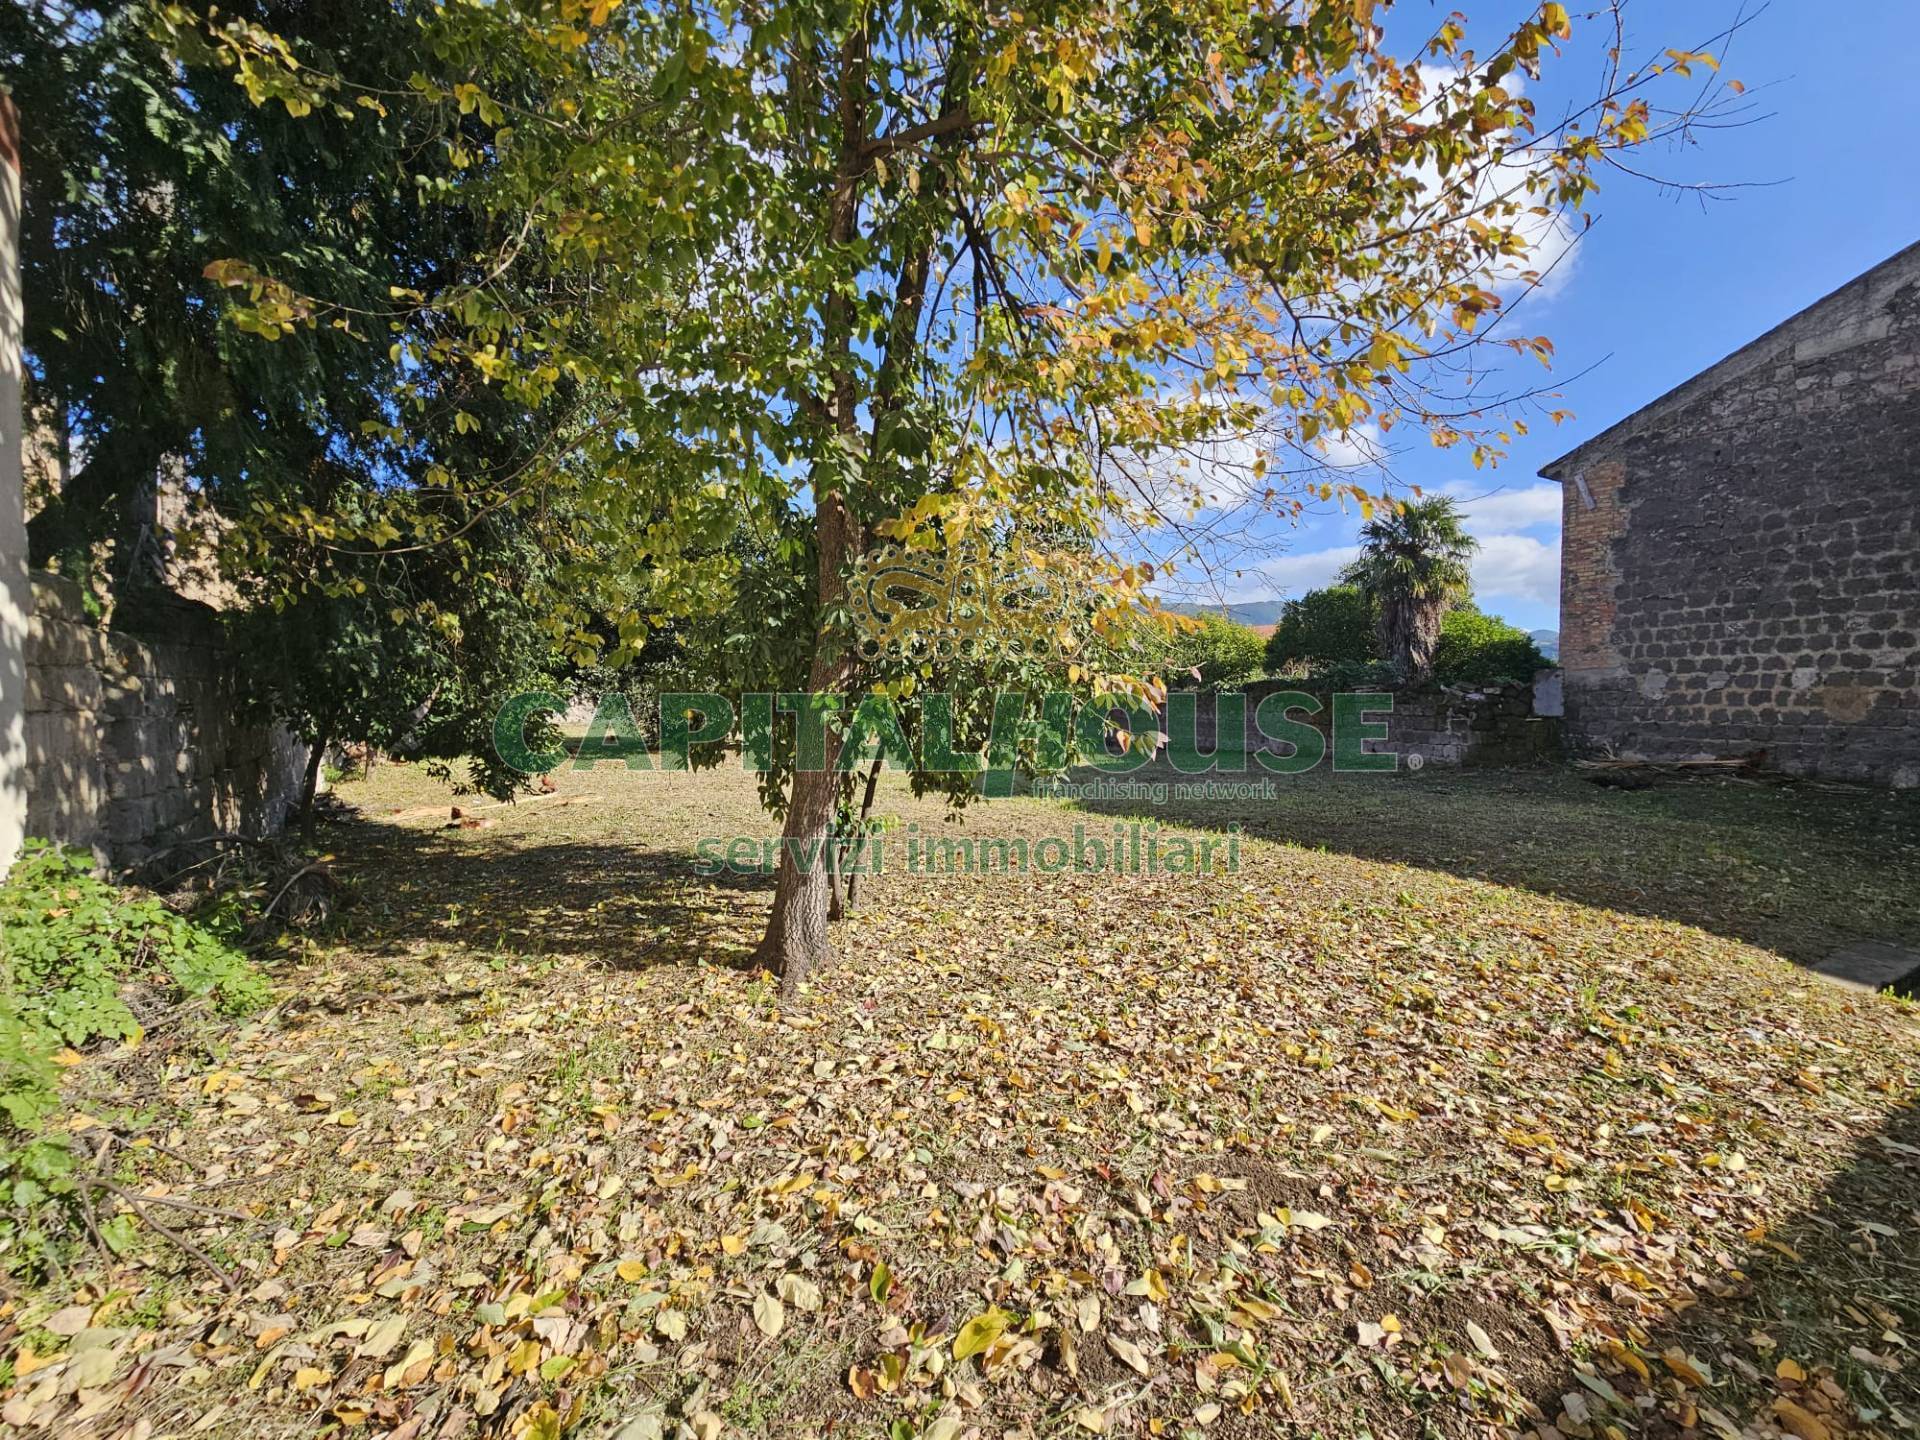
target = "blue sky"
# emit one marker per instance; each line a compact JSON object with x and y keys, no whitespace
{"x":1664,"y":284}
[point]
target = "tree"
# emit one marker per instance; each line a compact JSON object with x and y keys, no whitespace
{"x":1335,"y":625}
{"x":912,"y":273}
{"x":1413,"y":563}
{"x":141,"y":178}
{"x":136,"y":176}
{"x":1480,"y":649}
{"x":1217,"y":653}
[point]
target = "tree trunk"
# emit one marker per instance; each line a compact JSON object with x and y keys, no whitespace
{"x":1409,"y":630}
{"x":851,"y":890}
{"x":837,"y":881}
{"x":797,"y":940}
{"x":311,"y":787}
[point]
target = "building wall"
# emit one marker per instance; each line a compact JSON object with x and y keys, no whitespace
{"x":131,"y":737}
{"x":1741,"y":562}
{"x":15,"y":599}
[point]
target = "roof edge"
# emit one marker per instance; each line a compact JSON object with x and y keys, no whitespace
{"x":1869,"y":290}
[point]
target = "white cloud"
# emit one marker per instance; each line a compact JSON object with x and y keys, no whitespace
{"x":1218,"y":471}
{"x":1517,"y":567}
{"x":1293,"y":575}
{"x":1501,"y":510}
{"x":1548,"y":240}
{"x":1361,"y":448}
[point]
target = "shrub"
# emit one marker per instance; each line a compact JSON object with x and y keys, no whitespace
{"x":1225,"y":655}
{"x":73,"y":951}
{"x":1478,"y":649}
{"x":1324,"y":627}
{"x":1339,"y":676}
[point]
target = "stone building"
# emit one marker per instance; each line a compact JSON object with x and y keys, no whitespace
{"x":1740,"y":561}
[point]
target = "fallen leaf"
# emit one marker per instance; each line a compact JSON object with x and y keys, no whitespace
{"x":382,"y":1337}
{"x":770,"y":1315}
{"x":68,"y":1322}
{"x":1686,"y":1368}
{"x":1130,"y":1354}
{"x":1801,"y":1422}
{"x":980,"y":1332}
{"x":1304,"y":1219}
{"x":799,"y":1292}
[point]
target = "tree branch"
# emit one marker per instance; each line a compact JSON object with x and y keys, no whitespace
{"x":957,"y":117}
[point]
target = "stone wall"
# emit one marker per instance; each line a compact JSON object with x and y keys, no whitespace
{"x":132,"y":740}
{"x":1741,"y":560}
{"x":1494,"y":726}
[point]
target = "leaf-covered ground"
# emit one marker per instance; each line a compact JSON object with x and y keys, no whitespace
{"x":1345,"y":1142}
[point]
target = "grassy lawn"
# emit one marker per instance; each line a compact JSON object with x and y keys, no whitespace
{"x":1467,"y":1103}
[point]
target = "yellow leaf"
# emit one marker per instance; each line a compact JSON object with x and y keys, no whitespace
{"x":1800,"y":1421}
{"x":631,"y":1270}
{"x":411,"y":1368}
{"x":382,"y":1337}
{"x":1684,"y":1366}
{"x":1632,"y":1361}
{"x":980,"y":1332}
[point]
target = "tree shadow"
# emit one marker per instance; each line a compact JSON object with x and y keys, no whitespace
{"x":1795,"y":868}
{"x":622,"y":906}
{"x":1809,"y":1329}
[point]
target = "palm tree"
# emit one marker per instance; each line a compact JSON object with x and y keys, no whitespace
{"x":1413,"y":564}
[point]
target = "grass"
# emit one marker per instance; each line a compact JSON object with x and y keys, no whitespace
{"x":1469,"y":1102}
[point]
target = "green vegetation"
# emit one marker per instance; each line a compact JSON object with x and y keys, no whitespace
{"x":1479,"y":649}
{"x":1335,"y":625}
{"x":1329,"y":636}
{"x":80,"y":961}
{"x":1218,"y":653}
{"x":1413,"y":565}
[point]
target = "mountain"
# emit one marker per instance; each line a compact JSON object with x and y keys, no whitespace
{"x":1247,"y":612}
{"x":1548,"y":641}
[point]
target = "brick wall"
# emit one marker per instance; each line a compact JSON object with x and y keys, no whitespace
{"x":1741,"y":561}
{"x":132,"y":740}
